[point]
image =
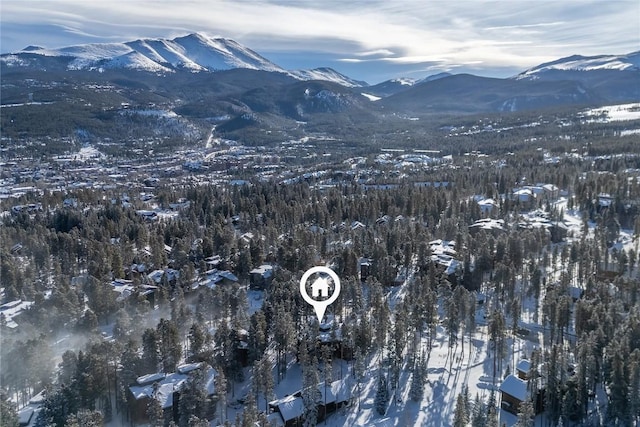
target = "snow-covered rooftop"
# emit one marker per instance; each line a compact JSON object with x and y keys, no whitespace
{"x":13,"y":309}
{"x":290,"y":407}
{"x":514,"y":386}
{"x":167,"y":384}
{"x":264,"y":270}
{"x":523,"y":365}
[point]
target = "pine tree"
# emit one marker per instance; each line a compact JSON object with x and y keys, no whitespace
{"x":221,"y":394}
{"x":310,"y":393}
{"x":617,"y":381}
{"x":258,"y":335}
{"x":8,"y":415}
{"x":358,"y":371}
{"x":492,"y":411}
{"x":58,"y":406}
{"x":193,"y":396}
{"x":122,"y":325}
{"x":199,"y":340}
{"x":68,"y":367}
{"x":479,"y":418}
{"x":460,"y":418}
{"x":170,"y":348}
{"x":197,"y":422}
{"x":250,"y":414}
{"x":526,"y":413}
{"x":416,"y":391}
{"x":85,"y":418}
{"x":150,"y":360}
{"x":634,"y":385}
{"x":264,"y":373}
{"x":382,"y":395}
{"x":154,"y":410}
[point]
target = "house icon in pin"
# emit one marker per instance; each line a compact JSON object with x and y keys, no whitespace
{"x":320,"y":288}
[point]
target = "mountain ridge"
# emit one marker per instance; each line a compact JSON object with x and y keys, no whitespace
{"x":195,"y":52}
{"x":231,"y":79}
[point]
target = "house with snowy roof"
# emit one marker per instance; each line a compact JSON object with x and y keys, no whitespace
{"x":364,"y":268}
{"x":166,"y":389}
{"x":513,"y":392}
{"x":443,"y":254}
{"x":260,"y":277}
{"x":489,"y":225}
{"x":11,"y":310}
{"x":522,"y":369}
{"x":290,"y":409}
{"x":170,"y":274}
{"x":333,"y":396}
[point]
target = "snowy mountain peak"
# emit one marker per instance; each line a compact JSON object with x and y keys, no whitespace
{"x":195,"y":52}
{"x":327,"y":74}
{"x":628,"y":62}
{"x":404,"y":81}
{"x":32,"y":48}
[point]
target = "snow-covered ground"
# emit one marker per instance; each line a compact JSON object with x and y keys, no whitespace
{"x":613,"y":113}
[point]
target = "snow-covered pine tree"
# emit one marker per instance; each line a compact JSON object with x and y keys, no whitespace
{"x":358,"y":371}
{"x":310,"y":392}
{"x":382,"y":395}
{"x":479,"y":418}
{"x":416,"y":392}
{"x":526,"y":413}
{"x":250,"y":414}
{"x":460,"y":418}
{"x":221,"y":394}
{"x":634,"y":386}
{"x":155,"y":413}
{"x":492,"y":411}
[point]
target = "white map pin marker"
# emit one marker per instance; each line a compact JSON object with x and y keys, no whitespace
{"x":320,"y":288}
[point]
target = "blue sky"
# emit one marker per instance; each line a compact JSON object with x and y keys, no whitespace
{"x":366,"y":39}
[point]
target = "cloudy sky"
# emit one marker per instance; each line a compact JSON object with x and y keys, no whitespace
{"x":366,"y":39}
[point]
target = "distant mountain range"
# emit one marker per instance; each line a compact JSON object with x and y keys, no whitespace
{"x":575,"y":80}
{"x":194,"y":52}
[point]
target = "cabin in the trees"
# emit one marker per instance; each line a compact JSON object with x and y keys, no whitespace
{"x":168,"y":274}
{"x":290,"y":409}
{"x":28,"y":415}
{"x":522,"y":369}
{"x":165,"y":388}
{"x":241,"y":340}
{"x":330,"y":335}
{"x":261,"y":277}
{"x":494,"y":227}
{"x":10,"y":311}
{"x":364,"y":268}
{"x":513,"y":392}
{"x":333,"y":396}
{"x":215,"y":277}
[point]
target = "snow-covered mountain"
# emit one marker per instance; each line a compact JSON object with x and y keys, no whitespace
{"x":628,"y":62}
{"x":433,"y":77}
{"x":194,"y":52}
{"x":393,"y":86}
{"x":327,"y":74}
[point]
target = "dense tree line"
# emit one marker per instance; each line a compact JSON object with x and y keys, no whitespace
{"x":69,"y":256}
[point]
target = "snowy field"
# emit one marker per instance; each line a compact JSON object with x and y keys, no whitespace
{"x":613,"y":113}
